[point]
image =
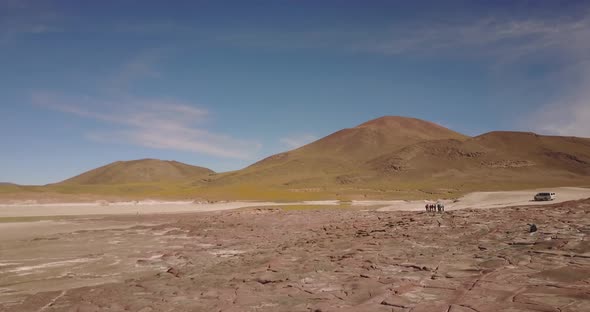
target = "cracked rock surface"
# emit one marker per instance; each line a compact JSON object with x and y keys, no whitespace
{"x":331,"y":259}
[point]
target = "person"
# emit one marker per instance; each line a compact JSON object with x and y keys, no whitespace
{"x":427,"y":207}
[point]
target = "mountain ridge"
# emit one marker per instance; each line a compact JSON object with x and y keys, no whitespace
{"x":387,"y":157}
{"x":392,"y":152}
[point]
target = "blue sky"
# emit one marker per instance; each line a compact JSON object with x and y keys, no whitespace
{"x":222,"y":84}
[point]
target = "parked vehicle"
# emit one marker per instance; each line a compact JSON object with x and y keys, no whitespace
{"x":545,"y":196}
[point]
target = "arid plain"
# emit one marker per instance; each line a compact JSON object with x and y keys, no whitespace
{"x":360,"y":256}
{"x":336,"y":225}
{"x":294,"y":156}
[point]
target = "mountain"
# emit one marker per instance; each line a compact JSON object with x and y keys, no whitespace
{"x":135,"y":171}
{"x":343,"y":152}
{"x":369,"y":139}
{"x":408,"y":155}
{"x":388,"y":157}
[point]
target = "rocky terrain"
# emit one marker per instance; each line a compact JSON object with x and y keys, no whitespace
{"x":329,"y":259}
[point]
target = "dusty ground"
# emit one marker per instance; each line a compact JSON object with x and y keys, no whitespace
{"x":473,"y":200}
{"x":85,"y":209}
{"x":328,"y":259}
{"x":484,"y":200}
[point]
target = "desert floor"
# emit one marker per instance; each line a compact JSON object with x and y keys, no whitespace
{"x":473,"y":200}
{"x":368,"y":256}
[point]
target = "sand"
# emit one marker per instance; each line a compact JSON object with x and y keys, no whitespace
{"x":473,"y":200}
{"x":154,"y":207}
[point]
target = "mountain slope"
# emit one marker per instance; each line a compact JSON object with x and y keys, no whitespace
{"x":495,"y":158}
{"x":367,"y":140}
{"x":410,"y":155}
{"x":143,"y":170}
{"x":342,"y":152}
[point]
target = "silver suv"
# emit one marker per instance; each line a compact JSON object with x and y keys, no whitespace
{"x":545,"y":196}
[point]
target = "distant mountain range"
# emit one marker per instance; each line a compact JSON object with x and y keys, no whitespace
{"x":386,"y":157}
{"x":399,"y":153}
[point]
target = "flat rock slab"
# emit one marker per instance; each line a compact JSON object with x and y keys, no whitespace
{"x":345,"y":259}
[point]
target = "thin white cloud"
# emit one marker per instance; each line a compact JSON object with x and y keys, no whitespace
{"x":569,"y":113}
{"x":160,"y":124}
{"x":567,"y":119}
{"x":11,"y":30}
{"x":509,"y":42}
{"x":19,"y":19}
{"x":499,"y":39}
{"x":499,"y":36}
{"x":296,"y":141}
{"x":140,"y":67}
{"x":491,"y":36}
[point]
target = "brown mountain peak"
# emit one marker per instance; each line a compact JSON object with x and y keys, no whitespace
{"x":141,"y":170}
{"x":394,"y":121}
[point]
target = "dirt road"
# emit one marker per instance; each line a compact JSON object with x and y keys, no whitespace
{"x":473,"y":200}
{"x":483,"y":200}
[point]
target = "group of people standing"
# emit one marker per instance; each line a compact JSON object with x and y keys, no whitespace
{"x":440,"y":207}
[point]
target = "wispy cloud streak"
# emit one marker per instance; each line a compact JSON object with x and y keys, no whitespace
{"x":161,"y":124}
{"x":505,"y":43}
{"x":19,"y":18}
{"x":569,"y":113}
{"x":297,"y":140}
{"x":142,"y":66}
{"x":488,"y":36}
